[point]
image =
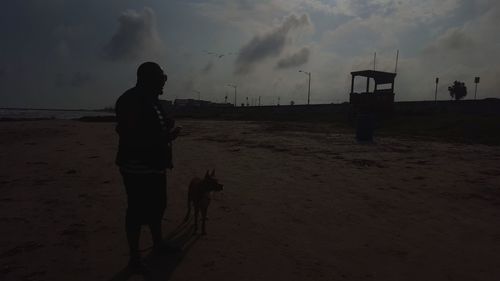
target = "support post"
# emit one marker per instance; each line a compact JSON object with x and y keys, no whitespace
{"x":436,"y":91}
{"x":352,"y":84}
{"x":476,"y":80}
{"x":309,"y":90}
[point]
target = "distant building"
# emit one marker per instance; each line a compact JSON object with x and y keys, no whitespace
{"x":198,"y":103}
{"x":166,"y":102}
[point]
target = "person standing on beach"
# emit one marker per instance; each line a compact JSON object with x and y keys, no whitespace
{"x":144,"y":154}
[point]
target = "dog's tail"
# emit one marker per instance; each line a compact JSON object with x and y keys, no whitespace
{"x":186,"y":218}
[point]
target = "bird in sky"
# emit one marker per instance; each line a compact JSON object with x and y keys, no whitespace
{"x":219,"y":55}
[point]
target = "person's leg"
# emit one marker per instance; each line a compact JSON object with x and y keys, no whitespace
{"x":158,"y":183}
{"x":156,"y":233}
{"x":132,"y":218}
{"x":133,"y":230}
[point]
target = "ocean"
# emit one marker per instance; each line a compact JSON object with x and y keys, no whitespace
{"x":48,"y":114}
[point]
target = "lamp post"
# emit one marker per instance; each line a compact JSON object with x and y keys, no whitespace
{"x":476,"y":81}
{"x":309,"y":88}
{"x":436,"y":92}
{"x":235,"y":87}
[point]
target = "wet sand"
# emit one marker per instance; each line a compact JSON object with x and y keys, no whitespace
{"x":301,"y":202}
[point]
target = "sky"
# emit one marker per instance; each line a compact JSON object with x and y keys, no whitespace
{"x":84,"y":54}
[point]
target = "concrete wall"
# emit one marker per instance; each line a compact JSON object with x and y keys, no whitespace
{"x":330,"y":112}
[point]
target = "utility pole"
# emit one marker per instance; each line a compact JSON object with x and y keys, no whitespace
{"x":476,"y":81}
{"x":309,"y":88}
{"x":233,"y":86}
{"x":259,"y":100}
{"x":436,"y":92}
{"x":397,"y":58}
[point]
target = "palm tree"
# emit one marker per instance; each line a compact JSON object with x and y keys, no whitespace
{"x":458,"y":90}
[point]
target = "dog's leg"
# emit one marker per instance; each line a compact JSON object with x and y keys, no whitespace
{"x":203,"y":219}
{"x":196,"y":212}
{"x":186,"y":218}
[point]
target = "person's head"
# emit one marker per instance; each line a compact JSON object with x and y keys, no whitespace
{"x":151,"y":77}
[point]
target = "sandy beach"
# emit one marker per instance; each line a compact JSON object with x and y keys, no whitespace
{"x":301,"y":202}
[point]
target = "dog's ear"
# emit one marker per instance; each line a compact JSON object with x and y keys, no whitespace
{"x":213,"y":173}
{"x":207,"y":175}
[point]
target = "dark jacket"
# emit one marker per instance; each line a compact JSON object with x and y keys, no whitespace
{"x":144,"y":130}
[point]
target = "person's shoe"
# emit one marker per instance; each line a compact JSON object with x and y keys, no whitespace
{"x":165,"y":249}
{"x":136,"y":266}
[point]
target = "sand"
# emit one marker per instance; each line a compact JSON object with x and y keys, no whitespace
{"x":301,"y":202}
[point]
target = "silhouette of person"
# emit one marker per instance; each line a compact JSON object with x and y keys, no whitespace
{"x":144,"y":153}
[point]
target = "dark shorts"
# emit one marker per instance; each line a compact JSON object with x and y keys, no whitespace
{"x":146,"y":197}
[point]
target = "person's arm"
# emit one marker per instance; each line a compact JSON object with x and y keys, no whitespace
{"x":174,"y":133}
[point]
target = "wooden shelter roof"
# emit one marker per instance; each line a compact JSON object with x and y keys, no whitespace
{"x":380,"y":77}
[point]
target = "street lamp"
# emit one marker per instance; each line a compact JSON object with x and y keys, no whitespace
{"x":235,"y":87}
{"x":436,"y":92}
{"x":309,"y":89}
{"x":476,"y":80}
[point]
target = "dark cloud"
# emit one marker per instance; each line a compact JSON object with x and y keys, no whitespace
{"x":453,"y":40}
{"x":297,"y":59}
{"x":457,"y":40}
{"x":136,"y":36}
{"x":268,"y":45}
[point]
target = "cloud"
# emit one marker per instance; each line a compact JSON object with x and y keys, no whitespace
{"x":268,"y":45}
{"x":135,"y":38}
{"x":453,"y":40}
{"x":208,"y":67}
{"x":297,"y":59}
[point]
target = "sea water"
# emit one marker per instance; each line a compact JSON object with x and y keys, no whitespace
{"x":49,"y":114}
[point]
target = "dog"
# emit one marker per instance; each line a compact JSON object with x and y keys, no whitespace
{"x":199,"y":196}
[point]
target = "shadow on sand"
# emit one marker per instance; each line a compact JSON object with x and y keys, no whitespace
{"x":162,"y":267}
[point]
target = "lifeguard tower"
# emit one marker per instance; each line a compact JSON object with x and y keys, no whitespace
{"x":378,"y":101}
